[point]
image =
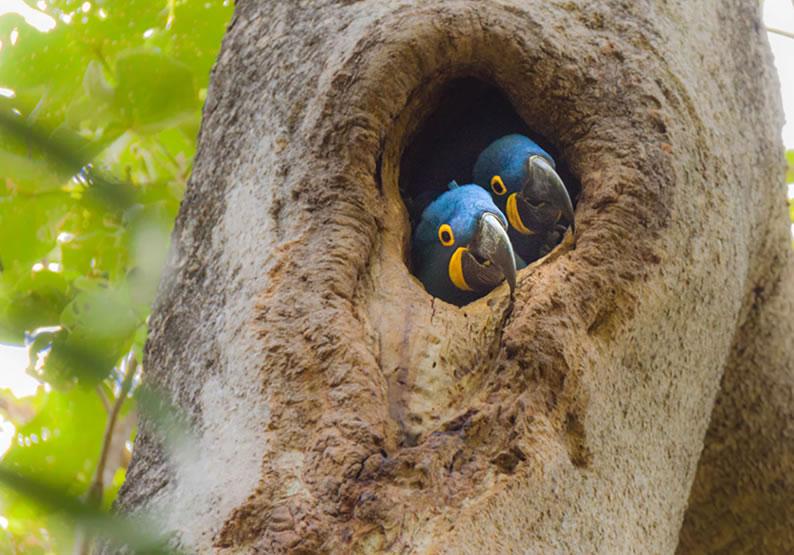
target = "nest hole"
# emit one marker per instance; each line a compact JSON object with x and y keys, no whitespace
{"x":470,"y":115}
{"x":467,"y":115}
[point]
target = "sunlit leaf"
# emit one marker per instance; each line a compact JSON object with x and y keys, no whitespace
{"x":101,"y":314}
{"x":60,"y":442}
{"x":37,"y":301}
{"x":91,"y":254}
{"x":96,"y":86}
{"x":98,"y":330}
{"x":28,"y":175}
{"x":154,"y":91}
{"x":196,"y":34}
{"x":29,"y":227}
{"x":139,"y":534}
{"x":56,"y":60}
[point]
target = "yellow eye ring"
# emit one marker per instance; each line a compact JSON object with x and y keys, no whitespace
{"x":498,"y":186}
{"x":445,"y":235}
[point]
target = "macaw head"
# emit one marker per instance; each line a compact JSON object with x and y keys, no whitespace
{"x":461,"y":248}
{"x":524,"y":184}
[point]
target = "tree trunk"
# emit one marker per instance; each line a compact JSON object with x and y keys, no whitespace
{"x":336,"y":406}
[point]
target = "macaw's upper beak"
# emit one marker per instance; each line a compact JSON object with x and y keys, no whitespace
{"x":542,"y":201}
{"x":488,"y":259}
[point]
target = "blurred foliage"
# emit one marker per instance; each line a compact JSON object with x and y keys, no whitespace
{"x":134,"y":532}
{"x":98,"y":125}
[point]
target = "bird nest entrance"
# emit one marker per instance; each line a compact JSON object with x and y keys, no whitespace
{"x":463,"y":117}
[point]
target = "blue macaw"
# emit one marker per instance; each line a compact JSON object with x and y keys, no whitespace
{"x":524,"y":185}
{"x":461,"y":249}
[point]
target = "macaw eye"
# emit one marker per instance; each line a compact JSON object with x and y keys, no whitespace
{"x":497,"y":186}
{"x":445,"y":235}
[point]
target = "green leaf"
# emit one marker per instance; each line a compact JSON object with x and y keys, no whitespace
{"x":96,"y":86}
{"x":138,"y":534}
{"x":154,"y":91}
{"x":29,"y":227}
{"x":61,"y":441}
{"x":790,"y":166}
{"x":73,"y":361}
{"x":37,"y":301}
{"x":196,"y":32}
{"x":101,"y":314}
{"x":99,"y":328}
{"x":94,"y":253}
{"x":55,"y":61}
{"x":29,"y":175}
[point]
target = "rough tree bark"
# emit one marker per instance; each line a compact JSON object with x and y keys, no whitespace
{"x":338,"y":407}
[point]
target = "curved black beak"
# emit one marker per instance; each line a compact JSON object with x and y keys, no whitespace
{"x":545,"y":197}
{"x":490,"y":257}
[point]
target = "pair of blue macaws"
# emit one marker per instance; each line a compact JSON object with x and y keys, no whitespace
{"x":473,"y":237}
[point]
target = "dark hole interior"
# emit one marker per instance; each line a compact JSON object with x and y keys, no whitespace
{"x":471,"y":114}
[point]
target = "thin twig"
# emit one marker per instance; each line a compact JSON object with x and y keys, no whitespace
{"x":780,"y":32}
{"x":126,"y":385}
{"x":104,"y":399}
{"x":96,"y":488}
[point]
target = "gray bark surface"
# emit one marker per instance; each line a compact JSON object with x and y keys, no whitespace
{"x":335,"y":406}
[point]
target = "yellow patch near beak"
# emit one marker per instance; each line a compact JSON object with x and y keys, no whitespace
{"x":456,"y":270}
{"x":514,"y":218}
